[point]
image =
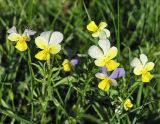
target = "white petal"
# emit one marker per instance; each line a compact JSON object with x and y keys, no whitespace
{"x":107,"y":32}
{"x":100,"y":75}
{"x":12,"y":30}
{"x":114,"y":82}
{"x":29,"y":32}
{"x":143,"y":59}
{"x":95,"y":52}
{"x":104,"y":34}
{"x":104,"y":44}
{"x":56,"y":37}
{"x":46,"y":35}
{"x":136,"y":62}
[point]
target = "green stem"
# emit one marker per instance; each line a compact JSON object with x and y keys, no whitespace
{"x":86,"y":11}
{"x":31,"y":88}
{"x":139,"y":95}
{"x":49,"y":79}
{"x":30,"y":11}
{"x":49,"y":90}
{"x":118,"y":31}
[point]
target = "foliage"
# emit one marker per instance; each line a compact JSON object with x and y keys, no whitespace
{"x":33,"y":91}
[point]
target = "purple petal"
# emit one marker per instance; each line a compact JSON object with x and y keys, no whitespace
{"x":104,"y":70}
{"x":12,"y":30}
{"x":74,"y":62}
{"x":119,"y":72}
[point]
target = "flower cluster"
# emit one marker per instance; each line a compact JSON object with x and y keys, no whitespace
{"x":104,"y":55}
{"x":48,"y":42}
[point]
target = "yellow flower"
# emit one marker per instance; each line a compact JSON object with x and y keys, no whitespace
{"x":67,"y":65}
{"x":99,"y":31}
{"x":48,"y":42}
{"x":127,"y":104}
{"x":20,"y":39}
{"x":105,"y":56}
{"x":143,"y":67}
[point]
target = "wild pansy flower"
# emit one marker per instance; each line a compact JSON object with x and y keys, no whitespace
{"x":105,"y":56}
{"x":143,"y":67}
{"x":127,"y":104}
{"x":49,"y":43}
{"x":99,"y":30}
{"x":69,"y":64}
{"x":107,"y":80}
{"x":20,"y":39}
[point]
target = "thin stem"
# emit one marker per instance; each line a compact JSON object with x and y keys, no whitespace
{"x":49,"y":79}
{"x":139,"y":95}
{"x":118,"y":31}
{"x":86,"y":11}
{"x":31,"y":88}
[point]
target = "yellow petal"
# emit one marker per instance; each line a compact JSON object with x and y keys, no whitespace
{"x":149,"y":66}
{"x":14,"y":37}
{"x":43,"y":55}
{"x":102,"y":25}
{"x":21,"y":45}
{"x":92,"y":26}
{"x":138,"y":70}
{"x":104,"y":85}
{"x":67,"y":65}
{"x":54,"y":48}
{"x":100,"y":62}
{"x":41,"y":42}
{"x":111,"y":65}
{"x":96,"y":34}
{"x":147,"y":77}
{"x":112,"y":52}
{"x":127,"y":104}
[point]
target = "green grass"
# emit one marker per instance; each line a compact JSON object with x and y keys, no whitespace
{"x":33,"y":91}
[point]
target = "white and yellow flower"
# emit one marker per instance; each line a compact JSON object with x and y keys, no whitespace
{"x":49,"y":43}
{"x":20,"y":39}
{"x":143,"y":67}
{"x":105,"y":56}
{"x":99,"y":30}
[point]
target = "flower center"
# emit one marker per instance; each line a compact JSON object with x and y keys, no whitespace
{"x":108,"y":79}
{"x":46,"y":50}
{"x":23,"y":38}
{"x":144,"y":71}
{"x":106,"y":59}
